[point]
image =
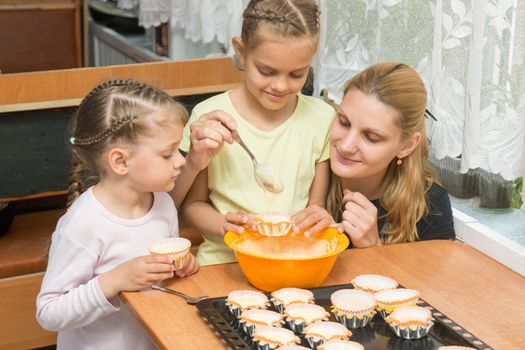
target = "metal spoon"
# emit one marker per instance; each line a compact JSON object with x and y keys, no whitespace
{"x":189,"y":300}
{"x":265,"y":174}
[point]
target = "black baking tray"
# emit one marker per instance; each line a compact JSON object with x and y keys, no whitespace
{"x":376,"y":335}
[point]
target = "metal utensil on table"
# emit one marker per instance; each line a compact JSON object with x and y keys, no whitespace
{"x":189,"y":299}
{"x":265,"y":174}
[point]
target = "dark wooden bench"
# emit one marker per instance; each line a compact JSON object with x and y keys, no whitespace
{"x":22,"y":262}
{"x":23,"y":246}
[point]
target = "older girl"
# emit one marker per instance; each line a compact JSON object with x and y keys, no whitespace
{"x":280,"y":125}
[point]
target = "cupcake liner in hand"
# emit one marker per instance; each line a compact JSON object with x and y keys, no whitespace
{"x":176,"y":248}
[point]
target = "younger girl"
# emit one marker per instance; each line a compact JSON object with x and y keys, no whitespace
{"x":383,"y":189}
{"x":125,"y":142}
{"x":281,"y":127}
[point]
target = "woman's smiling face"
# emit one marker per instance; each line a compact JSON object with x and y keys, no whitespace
{"x":364,"y":138}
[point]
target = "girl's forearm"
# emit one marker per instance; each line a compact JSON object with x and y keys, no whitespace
{"x":319,"y":187}
{"x":202,"y":216}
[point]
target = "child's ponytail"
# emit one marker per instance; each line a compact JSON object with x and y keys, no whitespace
{"x":76,"y":182}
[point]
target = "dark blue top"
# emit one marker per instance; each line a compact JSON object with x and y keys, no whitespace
{"x":438,"y":223}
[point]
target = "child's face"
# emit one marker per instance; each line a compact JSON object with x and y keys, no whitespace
{"x":277,"y":68}
{"x":364,"y":137}
{"x":155,"y":162}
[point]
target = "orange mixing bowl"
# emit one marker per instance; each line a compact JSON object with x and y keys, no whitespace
{"x":271,"y":273}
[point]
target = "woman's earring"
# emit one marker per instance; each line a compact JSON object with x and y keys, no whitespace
{"x":237,"y":63}
{"x":399,"y":161}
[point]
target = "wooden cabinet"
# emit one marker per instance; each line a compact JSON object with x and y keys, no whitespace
{"x":40,"y":35}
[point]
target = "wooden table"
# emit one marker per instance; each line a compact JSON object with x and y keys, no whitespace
{"x":483,"y":296}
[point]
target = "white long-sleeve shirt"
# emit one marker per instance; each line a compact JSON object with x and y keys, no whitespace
{"x":88,"y":241}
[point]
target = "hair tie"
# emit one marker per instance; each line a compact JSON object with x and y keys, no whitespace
{"x":72,"y":140}
{"x":428,"y":114}
{"x":317,"y":16}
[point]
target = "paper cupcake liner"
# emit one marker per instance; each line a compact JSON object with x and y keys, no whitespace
{"x":237,"y":302}
{"x":293,"y":347}
{"x":341,"y":344}
{"x":280,"y":298}
{"x":176,"y":248}
{"x":277,"y":305}
{"x":251,"y":318}
{"x":383,"y":313}
{"x":280,"y":307}
{"x":263,"y":336}
{"x":390,"y":300}
{"x":373,"y":283}
{"x":296,"y":327}
{"x":180,"y":262}
{"x":235,"y":310}
{"x":178,"y":256}
{"x":248,"y":328}
{"x":386,"y":312}
{"x":274,"y":229}
{"x":353,"y":321}
{"x":407,"y":332}
{"x":265,"y":346}
{"x":313,"y":341}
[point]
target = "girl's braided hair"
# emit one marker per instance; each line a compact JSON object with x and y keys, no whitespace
{"x":289,"y":18}
{"x":115,"y":110}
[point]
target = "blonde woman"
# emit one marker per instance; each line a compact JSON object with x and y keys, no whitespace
{"x":382,"y":188}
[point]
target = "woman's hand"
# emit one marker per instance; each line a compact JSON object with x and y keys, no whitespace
{"x":207,"y":135}
{"x":190,"y":267}
{"x":360,"y":220}
{"x":236,"y":222}
{"x":312,"y":219}
{"x":136,"y":274}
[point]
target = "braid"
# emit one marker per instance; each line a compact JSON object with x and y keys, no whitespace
{"x":268,"y":15}
{"x":114,"y":111}
{"x":317,"y":17}
{"x":289,"y":18}
{"x":115,"y":126}
{"x":106,"y":84}
{"x":76,"y":183}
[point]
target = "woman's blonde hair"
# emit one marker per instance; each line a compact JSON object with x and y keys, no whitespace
{"x":402,"y":192}
{"x":289,"y":18}
{"x":116,"y":110}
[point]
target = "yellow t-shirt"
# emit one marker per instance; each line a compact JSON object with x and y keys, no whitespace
{"x":293,"y":149}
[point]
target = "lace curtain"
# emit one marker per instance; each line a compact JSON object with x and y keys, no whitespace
{"x":470,"y":54}
{"x":202,"y":20}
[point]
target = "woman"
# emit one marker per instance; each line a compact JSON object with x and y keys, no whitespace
{"x":382,"y":188}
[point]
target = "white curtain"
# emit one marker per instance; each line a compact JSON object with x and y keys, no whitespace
{"x":202,"y":20}
{"x":470,"y":54}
